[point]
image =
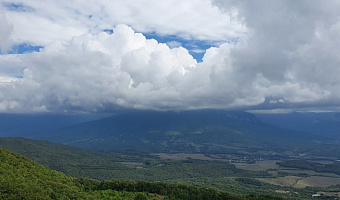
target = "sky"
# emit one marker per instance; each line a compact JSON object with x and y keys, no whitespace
{"x":104,"y":55}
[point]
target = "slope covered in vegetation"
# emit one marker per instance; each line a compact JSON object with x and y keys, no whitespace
{"x":21,"y":178}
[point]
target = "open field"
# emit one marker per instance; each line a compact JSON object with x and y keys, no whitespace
{"x":299,"y":172}
{"x":183,"y":156}
{"x":292,"y":177}
{"x":307,"y":173}
{"x":258,"y":166}
{"x":288,"y":181}
{"x":318,"y":181}
{"x":301,"y":182}
{"x":249,"y":167}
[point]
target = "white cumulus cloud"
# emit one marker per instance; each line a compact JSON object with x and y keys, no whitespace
{"x":288,"y":60}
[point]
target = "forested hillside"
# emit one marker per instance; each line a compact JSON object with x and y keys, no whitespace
{"x":21,"y":178}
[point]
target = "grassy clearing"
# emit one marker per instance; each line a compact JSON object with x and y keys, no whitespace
{"x":268,"y":164}
{"x":249,"y":167}
{"x":297,"y":171}
{"x":183,"y":156}
{"x":319,"y":181}
{"x":258,"y":166}
{"x":288,"y":181}
{"x":300,"y":182}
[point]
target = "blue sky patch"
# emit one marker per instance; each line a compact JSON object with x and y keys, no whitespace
{"x":24,"y":48}
{"x":18,"y":7}
{"x":195,"y":47}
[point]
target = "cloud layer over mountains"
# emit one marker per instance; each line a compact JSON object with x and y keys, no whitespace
{"x":289,"y":60}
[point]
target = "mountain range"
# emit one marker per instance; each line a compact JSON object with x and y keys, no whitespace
{"x":324,"y":125}
{"x":195,"y":131}
{"x":198,"y":131}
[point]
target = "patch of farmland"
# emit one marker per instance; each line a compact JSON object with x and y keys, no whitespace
{"x":288,"y":181}
{"x":318,"y":181}
{"x":249,"y":167}
{"x":258,"y":166}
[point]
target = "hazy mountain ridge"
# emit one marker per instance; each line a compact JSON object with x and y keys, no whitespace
{"x":196,"y":131}
{"x":28,"y":125}
{"x":186,"y":131}
{"x":325,"y":125}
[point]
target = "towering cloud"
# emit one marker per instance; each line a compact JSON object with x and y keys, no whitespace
{"x":288,"y":60}
{"x":94,"y":72}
